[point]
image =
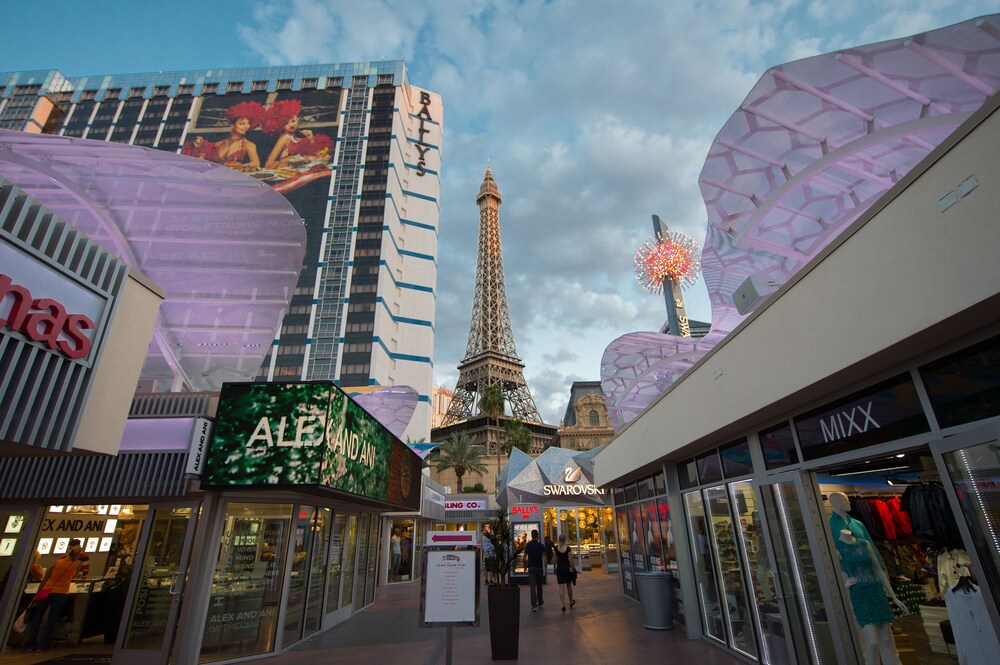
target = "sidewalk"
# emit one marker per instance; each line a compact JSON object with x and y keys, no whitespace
{"x":604,"y":628}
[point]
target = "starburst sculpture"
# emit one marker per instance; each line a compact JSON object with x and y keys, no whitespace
{"x":675,"y":257}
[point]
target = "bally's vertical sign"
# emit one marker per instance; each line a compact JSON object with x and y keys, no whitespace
{"x":424,"y":116}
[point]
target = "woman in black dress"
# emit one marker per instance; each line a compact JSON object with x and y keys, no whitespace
{"x":564,"y":572}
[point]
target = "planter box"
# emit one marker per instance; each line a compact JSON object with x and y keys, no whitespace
{"x":505,"y":620}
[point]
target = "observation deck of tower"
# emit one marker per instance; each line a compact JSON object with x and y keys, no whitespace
{"x":490,"y":355}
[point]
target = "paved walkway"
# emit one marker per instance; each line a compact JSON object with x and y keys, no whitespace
{"x":604,"y":628}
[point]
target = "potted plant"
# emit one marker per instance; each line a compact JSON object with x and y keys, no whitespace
{"x":504,"y":598}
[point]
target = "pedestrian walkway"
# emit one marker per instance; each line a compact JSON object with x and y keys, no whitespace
{"x":604,"y":628}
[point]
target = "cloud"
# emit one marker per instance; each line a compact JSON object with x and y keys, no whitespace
{"x":592,"y":118}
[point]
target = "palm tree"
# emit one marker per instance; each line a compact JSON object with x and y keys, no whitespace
{"x":491,"y":401}
{"x":460,"y":453}
{"x":515,"y":435}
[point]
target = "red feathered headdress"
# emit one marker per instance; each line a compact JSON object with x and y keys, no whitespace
{"x":312,"y":146}
{"x":250,"y":110}
{"x":279,"y":113}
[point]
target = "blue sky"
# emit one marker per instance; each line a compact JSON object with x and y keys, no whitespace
{"x":593,"y":115}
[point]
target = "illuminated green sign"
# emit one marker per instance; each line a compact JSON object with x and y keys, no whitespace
{"x":269,"y":434}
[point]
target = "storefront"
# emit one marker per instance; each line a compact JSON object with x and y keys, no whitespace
{"x":830,"y":451}
{"x":645,"y":532}
{"x":555,"y":494}
{"x":290,"y":524}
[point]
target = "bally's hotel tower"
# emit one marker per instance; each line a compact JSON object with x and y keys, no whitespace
{"x":354,"y":148}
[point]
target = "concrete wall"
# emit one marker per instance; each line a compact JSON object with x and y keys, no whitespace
{"x":117,"y":372}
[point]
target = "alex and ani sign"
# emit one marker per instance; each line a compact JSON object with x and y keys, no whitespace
{"x":295,"y":434}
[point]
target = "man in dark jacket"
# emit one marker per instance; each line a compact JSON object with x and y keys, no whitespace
{"x":535,"y":552}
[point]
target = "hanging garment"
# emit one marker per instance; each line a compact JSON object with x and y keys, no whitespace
{"x":902,"y":521}
{"x":975,"y":640}
{"x":868,"y":597}
{"x":927,"y":506}
{"x":884,"y":517}
{"x":951,"y":566}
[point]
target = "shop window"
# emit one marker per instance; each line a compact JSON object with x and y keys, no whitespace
{"x":335,"y":560}
{"x":687,"y":474}
{"x":625,"y":552}
{"x":778,"y":446}
{"x":247,"y":582}
{"x":736,"y":459}
{"x":965,"y":387}
{"x":704,"y":570}
{"x":709,"y":467}
{"x":888,"y":411}
{"x":347,"y":594}
{"x":645,"y":487}
{"x":295,"y":605}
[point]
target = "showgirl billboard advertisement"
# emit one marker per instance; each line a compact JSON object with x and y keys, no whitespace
{"x":285,"y":139}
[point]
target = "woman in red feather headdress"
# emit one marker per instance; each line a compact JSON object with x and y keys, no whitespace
{"x":237,"y":151}
{"x":283,"y":116}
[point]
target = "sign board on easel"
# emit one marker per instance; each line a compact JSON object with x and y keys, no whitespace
{"x":449,"y":590}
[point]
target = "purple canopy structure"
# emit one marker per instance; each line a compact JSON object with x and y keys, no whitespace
{"x":225,"y":248}
{"x":393,"y":406}
{"x":811,"y":148}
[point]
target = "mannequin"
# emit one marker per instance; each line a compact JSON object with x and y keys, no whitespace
{"x":867,"y":584}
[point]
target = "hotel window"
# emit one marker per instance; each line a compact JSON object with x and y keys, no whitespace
{"x":161,"y":90}
{"x":308,"y":84}
{"x":187,"y":89}
{"x":336,"y":82}
{"x":136,"y":92}
{"x":210,"y":88}
{"x":234,"y":86}
{"x":283,"y":84}
{"x":258,"y":86}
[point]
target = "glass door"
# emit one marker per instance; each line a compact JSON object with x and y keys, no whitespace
{"x":156,"y":591}
{"x":971,"y":462}
{"x":807,"y":589}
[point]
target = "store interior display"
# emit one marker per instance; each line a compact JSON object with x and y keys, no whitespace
{"x":109,"y":536}
{"x":896,"y":512}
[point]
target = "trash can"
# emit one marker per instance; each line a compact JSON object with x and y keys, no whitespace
{"x":656,"y":596}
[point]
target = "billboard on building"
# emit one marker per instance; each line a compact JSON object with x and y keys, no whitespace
{"x":295,"y":434}
{"x":285,"y":139}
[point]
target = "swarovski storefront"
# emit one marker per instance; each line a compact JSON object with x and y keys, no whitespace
{"x":555,"y":494}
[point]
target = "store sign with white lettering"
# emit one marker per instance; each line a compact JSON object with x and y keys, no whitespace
{"x":464,"y":505}
{"x":885,"y":412}
{"x":307,"y":434}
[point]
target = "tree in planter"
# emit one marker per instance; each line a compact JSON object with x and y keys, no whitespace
{"x":460,"y":453}
{"x":504,"y":598}
{"x":500,"y":533}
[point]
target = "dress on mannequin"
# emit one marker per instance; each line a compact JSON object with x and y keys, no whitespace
{"x":867,"y":593}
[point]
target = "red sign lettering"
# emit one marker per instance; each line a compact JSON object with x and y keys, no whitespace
{"x":524,"y":512}
{"x":44,"y":320}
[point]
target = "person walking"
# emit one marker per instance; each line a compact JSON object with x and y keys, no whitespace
{"x":54,"y":591}
{"x":535,"y":552}
{"x":396,"y":550}
{"x":564,"y":572}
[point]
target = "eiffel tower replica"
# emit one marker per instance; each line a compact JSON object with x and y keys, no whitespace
{"x":490,"y":355}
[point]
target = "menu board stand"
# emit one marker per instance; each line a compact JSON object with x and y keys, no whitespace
{"x":449,"y":590}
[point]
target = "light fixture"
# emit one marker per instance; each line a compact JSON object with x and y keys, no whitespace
{"x":856,"y":473}
{"x":126,"y":513}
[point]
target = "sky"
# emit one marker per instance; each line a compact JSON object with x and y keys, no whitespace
{"x":592,"y":115}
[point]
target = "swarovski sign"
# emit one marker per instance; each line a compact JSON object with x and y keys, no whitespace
{"x":571,"y":485}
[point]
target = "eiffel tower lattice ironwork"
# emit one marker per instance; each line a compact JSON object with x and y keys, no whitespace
{"x":490,"y":356}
